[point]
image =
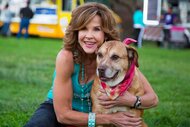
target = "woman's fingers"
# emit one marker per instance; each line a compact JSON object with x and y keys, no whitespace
{"x":107,"y":104}
{"x":126,"y":119}
{"x":132,"y":120}
{"x":104,"y":97}
{"x":102,"y":90}
{"x":105,"y":101}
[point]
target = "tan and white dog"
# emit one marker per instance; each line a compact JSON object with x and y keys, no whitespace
{"x":117,"y":73}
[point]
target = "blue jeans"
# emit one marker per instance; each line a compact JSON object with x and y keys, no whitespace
{"x":44,"y":116}
{"x":5,"y":28}
{"x":24,"y":24}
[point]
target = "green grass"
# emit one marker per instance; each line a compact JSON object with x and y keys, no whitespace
{"x":169,"y":73}
{"x":26,"y":68}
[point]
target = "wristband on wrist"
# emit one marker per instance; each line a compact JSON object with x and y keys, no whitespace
{"x":137,"y":102}
{"x":91,"y":119}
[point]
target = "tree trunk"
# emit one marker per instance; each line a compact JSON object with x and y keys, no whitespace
{"x":125,"y":9}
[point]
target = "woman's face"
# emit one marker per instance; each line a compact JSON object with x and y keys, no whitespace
{"x":92,"y":36}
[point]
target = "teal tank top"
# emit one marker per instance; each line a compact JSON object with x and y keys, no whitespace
{"x":81,"y":94}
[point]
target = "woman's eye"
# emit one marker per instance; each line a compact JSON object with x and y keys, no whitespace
{"x":114,"y":57}
{"x":97,"y":29}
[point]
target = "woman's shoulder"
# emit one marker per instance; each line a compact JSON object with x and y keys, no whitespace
{"x":65,"y":55}
{"x":65,"y":58}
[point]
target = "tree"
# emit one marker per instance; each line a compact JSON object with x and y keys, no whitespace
{"x":125,"y":9}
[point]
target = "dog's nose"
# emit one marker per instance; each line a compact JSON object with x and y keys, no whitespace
{"x":101,"y":71}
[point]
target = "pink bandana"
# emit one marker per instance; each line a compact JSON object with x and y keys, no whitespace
{"x":114,"y":92}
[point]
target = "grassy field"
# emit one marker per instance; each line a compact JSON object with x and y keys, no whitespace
{"x":26,"y":68}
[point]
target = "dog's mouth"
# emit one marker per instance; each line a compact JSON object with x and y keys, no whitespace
{"x":105,"y":78}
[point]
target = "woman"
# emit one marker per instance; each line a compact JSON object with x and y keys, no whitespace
{"x":138,"y":25}
{"x":7,"y":17}
{"x":69,"y":99}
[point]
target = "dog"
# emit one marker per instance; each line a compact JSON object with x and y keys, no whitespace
{"x":117,"y":72}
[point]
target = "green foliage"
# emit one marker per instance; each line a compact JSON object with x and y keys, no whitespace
{"x":26,"y":68}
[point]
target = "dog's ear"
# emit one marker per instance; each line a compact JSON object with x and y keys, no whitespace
{"x":132,"y":55}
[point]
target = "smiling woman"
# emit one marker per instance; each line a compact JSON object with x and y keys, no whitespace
{"x":68,"y":101}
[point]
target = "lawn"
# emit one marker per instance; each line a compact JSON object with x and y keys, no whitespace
{"x":26,"y":68}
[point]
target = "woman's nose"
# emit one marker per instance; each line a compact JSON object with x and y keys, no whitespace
{"x":89,"y":35}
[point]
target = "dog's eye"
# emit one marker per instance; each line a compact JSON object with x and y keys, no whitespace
{"x":114,"y":57}
{"x":99,"y":55}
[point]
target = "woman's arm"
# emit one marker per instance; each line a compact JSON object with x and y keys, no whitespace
{"x":148,"y":100}
{"x":63,"y":92}
{"x":62,"y":100}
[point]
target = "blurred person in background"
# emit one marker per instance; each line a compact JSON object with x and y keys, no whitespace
{"x":7,"y":16}
{"x":169,"y":19}
{"x":26,"y":14}
{"x":138,"y":25}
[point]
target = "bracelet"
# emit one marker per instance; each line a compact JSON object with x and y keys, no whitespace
{"x":137,"y":103}
{"x":91,"y":119}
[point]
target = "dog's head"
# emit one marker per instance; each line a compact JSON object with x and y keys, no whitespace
{"x":113,"y":61}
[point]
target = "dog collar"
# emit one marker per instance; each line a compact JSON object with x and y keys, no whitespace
{"x":118,"y":90}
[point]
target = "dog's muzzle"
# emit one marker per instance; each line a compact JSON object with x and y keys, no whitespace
{"x":106,"y":74}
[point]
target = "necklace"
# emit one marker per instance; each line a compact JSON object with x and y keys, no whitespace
{"x":83,"y":89}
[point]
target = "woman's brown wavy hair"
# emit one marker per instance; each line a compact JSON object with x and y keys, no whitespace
{"x":80,"y":17}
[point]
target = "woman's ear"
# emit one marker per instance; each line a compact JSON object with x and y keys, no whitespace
{"x":132,"y":55}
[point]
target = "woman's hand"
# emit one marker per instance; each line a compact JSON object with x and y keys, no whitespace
{"x":125,"y":119}
{"x":125,"y":100}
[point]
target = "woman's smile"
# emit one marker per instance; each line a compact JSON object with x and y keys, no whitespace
{"x":89,"y":44}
